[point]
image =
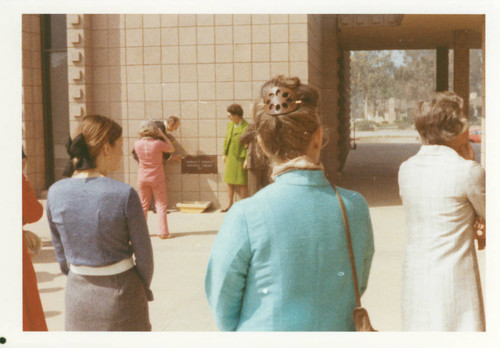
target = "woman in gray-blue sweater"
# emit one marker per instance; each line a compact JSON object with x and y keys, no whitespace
{"x":98,"y":229}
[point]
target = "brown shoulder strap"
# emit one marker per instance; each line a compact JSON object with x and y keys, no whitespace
{"x":349,"y":243}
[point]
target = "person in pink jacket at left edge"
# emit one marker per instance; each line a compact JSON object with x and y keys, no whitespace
{"x":151,"y":178}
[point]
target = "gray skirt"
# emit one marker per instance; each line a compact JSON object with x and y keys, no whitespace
{"x":106,"y":303}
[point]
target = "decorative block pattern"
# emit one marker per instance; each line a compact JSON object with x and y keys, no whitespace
{"x":32,"y":111}
{"x":137,"y":66}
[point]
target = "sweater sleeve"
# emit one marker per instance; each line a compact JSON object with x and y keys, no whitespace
{"x":165,"y":147}
{"x":141,"y":243}
{"x":361,"y":236}
{"x":56,"y":241}
{"x":226,"y":275}
{"x":32,"y":209}
{"x":476,"y":191}
{"x":369,"y":248}
{"x":227,"y":139}
{"x":248,"y":135}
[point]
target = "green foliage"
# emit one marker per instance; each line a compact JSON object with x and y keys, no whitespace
{"x":415,"y":79}
{"x":365,"y":125}
{"x":404,"y":123}
{"x":375,"y":77}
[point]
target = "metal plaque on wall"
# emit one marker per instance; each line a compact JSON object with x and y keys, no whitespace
{"x":199,"y":165}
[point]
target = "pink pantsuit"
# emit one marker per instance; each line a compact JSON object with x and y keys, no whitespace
{"x":151,"y":178}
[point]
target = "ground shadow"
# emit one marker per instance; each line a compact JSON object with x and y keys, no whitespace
{"x":372,"y":170}
{"x":49,"y":290}
{"x":45,"y":255}
{"x":46,"y":276}
{"x":186,"y":234}
{"x":50,"y":314}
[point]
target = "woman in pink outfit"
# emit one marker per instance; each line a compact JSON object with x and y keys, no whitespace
{"x":151,"y":177}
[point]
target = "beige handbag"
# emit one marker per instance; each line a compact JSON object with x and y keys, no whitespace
{"x":361,"y":318}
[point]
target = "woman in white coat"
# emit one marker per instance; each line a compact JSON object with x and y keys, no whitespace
{"x":443,"y":193}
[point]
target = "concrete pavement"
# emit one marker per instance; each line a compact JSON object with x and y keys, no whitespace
{"x":180,"y":263}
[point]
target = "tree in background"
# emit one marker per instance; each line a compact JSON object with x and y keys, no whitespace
{"x":372,"y":80}
{"x":377,"y":75}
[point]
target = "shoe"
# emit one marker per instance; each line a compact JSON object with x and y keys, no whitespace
{"x":166,"y":236}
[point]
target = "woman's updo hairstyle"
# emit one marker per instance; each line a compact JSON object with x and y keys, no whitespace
{"x":441,"y":118}
{"x":287,"y":136}
{"x":148,"y":128}
{"x":92,"y":134}
{"x":98,"y":130}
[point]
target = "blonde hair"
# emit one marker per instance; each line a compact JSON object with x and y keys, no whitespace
{"x":287,"y":136}
{"x":441,"y":118}
{"x":173,"y":120}
{"x":148,"y":128}
{"x":98,"y":130}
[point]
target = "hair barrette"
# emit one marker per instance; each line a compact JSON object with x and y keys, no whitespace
{"x":280,"y":101}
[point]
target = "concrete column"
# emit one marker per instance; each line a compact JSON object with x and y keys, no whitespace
{"x":483,"y":102}
{"x":323,"y":66}
{"x":441,"y":69}
{"x":79,"y":72}
{"x":461,"y":67}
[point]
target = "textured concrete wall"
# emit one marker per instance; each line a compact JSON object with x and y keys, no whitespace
{"x":191,"y":66}
{"x":32,"y":117}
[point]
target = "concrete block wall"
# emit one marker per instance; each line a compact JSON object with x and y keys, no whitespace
{"x":323,"y":54}
{"x":191,"y":66}
{"x":32,"y":117}
{"x":80,"y":68}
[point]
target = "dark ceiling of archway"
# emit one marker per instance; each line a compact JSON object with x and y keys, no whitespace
{"x":409,"y":31}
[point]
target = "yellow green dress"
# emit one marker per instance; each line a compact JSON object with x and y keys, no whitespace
{"x":235,"y":154}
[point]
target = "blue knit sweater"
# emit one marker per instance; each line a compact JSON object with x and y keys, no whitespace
{"x":98,"y":222}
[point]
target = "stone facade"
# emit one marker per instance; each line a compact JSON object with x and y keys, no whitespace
{"x":136,"y":66}
{"x":32,"y":117}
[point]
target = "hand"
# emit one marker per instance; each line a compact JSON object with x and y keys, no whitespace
{"x":162,"y":135}
{"x":176,"y":158}
{"x":466,"y":151}
{"x":224,"y":159}
{"x":245,"y":164}
{"x":480,"y":232}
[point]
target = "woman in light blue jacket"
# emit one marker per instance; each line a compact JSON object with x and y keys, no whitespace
{"x":280,"y":261}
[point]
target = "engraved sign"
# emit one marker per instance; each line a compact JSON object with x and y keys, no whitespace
{"x":199,"y":165}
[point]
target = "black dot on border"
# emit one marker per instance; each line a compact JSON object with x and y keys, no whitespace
{"x":3,"y":340}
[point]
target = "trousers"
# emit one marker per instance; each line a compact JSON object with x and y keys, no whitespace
{"x":159,"y":190}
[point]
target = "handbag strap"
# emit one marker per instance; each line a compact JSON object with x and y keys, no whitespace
{"x":349,"y":243}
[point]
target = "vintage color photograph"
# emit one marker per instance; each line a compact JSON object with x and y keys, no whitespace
{"x":283,"y":172}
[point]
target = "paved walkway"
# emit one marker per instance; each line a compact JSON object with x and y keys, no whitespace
{"x":180,"y":263}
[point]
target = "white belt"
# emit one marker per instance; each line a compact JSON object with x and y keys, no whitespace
{"x":115,"y":268}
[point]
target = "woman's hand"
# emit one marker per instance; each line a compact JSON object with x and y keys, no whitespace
{"x":480,"y":232}
{"x":162,"y":135}
{"x":245,"y":164}
{"x":466,"y":151}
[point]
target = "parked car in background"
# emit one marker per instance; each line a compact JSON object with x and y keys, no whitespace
{"x":475,"y":135}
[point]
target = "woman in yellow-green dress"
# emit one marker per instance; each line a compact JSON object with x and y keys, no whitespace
{"x":235,"y":155}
